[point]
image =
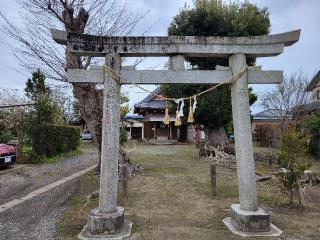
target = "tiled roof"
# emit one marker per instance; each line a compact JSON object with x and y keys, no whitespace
{"x":270,"y":114}
{"x":313,"y":82}
{"x":150,"y":102}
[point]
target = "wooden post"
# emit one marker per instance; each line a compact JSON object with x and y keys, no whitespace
{"x":197,"y":135}
{"x":213,"y":179}
{"x":124,"y":174}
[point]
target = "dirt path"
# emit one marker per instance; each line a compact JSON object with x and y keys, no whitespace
{"x":36,"y":218}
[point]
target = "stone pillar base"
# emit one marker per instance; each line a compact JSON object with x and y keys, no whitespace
{"x":106,"y":226}
{"x":123,"y":234}
{"x":251,"y":223}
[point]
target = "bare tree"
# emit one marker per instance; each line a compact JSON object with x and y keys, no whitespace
{"x":287,"y":99}
{"x":62,"y":96}
{"x":12,"y":97}
{"x":35,"y":49}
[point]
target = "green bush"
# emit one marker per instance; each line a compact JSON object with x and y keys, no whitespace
{"x":5,"y":134}
{"x":49,"y":140}
{"x":123,"y":135}
{"x":294,"y":159}
{"x":311,"y":124}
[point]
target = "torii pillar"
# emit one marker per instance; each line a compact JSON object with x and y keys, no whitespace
{"x":247,"y":218}
{"x":107,"y":221}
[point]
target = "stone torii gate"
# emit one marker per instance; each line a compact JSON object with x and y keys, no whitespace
{"x":247,"y":218}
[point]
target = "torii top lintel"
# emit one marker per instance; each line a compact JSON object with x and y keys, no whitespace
{"x":189,"y":46}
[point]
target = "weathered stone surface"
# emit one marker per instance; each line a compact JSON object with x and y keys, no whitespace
{"x":227,"y":68}
{"x":96,"y":75}
{"x":189,"y":46}
{"x":105,"y":223}
{"x":177,"y":63}
{"x":274,"y":231}
{"x":250,"y":221}
{"x":110,"y":139}
{"x":243,"y":137}
{"x":123,"y":234}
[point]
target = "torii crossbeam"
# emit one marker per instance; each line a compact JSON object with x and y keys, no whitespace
{"x":247,"y":218}
{"x":97,"y":75}
{"x":188,"y":46}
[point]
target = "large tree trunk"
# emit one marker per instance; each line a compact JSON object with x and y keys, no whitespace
{"x":90,"y":103}
{"x":217,"y":137}
{"x":89,"y":97}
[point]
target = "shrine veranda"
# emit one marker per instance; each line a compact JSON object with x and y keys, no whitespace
{"x":247,"y":218}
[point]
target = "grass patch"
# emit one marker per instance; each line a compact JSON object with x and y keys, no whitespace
{"x":227,"y":190}
{"x":59,"y":157}
{"x":164,"y":170}
{"x":172,"y":199}
{"x":268,"y":199}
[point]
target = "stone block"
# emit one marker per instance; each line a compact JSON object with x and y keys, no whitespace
{"x":105,"y":223}
{"x":250,"y":221}
{"x":123,"y":234}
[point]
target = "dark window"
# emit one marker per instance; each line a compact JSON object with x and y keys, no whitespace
{"x":318,"y":95}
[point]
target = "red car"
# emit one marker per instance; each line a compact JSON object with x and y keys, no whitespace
{"x":7,"y":155}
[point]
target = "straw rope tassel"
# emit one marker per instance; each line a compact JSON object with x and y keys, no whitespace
{"x":166,"y":119}
{"x":178,"y":119}
{"x":190,"y":116}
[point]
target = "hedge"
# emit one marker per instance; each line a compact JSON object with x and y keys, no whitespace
{"x":49,"y":140}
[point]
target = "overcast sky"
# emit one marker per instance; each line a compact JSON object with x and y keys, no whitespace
{"x":286,"y":15}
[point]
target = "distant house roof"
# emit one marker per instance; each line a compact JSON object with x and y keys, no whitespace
{"x":270,"y":114}
{"x":151,"y":102}
{"x":131,"y":116}
{"x":313,"y":82}
{"x":315,"y":105}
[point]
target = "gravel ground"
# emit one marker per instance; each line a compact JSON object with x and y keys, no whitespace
{"x":37,"y":217}
{"x":20,"y":182}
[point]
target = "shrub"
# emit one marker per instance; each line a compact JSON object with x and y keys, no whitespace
{"x":293,"y":159}
{"x":5,"y":134}
{"x":49,"y":140}
{"x":123,"y":135}
{"x":311,"y":124}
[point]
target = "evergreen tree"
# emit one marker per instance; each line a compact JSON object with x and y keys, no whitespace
{"x":215,"y":18}
{"x":45,"y":110}
{"x":36,"y":85}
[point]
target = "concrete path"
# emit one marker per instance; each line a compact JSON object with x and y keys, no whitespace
{"x":15,"y":202}
{"x":32,"y":198}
